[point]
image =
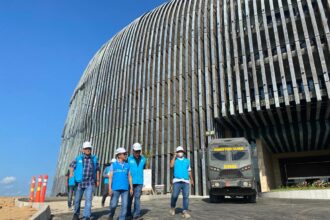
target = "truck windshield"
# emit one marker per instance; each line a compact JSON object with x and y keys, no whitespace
{"x":240,"y":155}
{"x":219,"y":156}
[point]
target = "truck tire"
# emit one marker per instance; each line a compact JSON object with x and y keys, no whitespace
{"x":213,"y":198}
{"x":221,"y":198}
{"x":252,"y":199}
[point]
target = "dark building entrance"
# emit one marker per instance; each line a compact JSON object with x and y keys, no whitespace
{"x":295,"y":170}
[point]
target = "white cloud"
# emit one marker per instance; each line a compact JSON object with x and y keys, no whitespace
{"x":8,"y":180}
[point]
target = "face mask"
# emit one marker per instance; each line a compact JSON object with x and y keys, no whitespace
{"x":180,"y":154}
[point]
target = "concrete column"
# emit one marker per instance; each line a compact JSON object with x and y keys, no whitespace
{"x":265,"y":167}
{"x":277,"y":172}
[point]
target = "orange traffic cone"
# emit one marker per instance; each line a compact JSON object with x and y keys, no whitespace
{"x":38,"y":189}
{"x":43,"y":190}
{"x":33,"y":184}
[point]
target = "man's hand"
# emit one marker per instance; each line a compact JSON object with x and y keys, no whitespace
{"x":192,"y":182}
{"x":97,"y":183}
{"x":131,"y":191}
{"x":110,"y":192}
{"x":173,"y":160}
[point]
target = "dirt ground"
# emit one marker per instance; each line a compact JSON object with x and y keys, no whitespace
{"x":8,"y":210}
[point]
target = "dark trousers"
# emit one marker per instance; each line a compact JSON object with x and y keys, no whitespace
{"x":71,"y":190}
{"x":105,"y":193}
{"x":137,"y":191}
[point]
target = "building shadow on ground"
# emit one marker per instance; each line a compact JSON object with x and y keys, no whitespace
{"x":98,"y":214}
{"x":228,"y":201}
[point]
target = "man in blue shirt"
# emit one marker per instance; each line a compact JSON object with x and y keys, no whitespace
{"x":106,"y":172}
{"x":70,"y":184}
{"x":86,"y":172}
{"x":120,"y":184}
{"x":137,"y":164}
{"x":182,"y":179}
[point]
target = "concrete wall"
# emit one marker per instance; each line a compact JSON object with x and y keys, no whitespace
{"x":265,"y":163}
{"x":299,"y":194}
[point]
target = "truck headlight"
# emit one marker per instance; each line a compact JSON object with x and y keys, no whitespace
{"x":245,"y":184}
{"x":217,"y":184}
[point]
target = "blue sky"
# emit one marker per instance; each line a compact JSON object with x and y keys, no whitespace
{"x":45,"y":45}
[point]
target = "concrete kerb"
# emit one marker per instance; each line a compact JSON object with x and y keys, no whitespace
{"x":299,"y":194}
{"x":43,"y":210}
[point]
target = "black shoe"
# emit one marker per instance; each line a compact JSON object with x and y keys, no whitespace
{"x":110,"y":218}
{"x":75,"y":217}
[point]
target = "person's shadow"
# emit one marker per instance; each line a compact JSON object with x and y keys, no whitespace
{"x":228,"y":201}
{"x":100,"y":214}
{"x":144,"y":211}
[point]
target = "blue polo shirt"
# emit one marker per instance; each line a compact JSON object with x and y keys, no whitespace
{"x":136,"y":168}
{"x":120,"y":175}
{"x":106,"y":175}
{"x":71,"y":180}
{"x":181,"y":170}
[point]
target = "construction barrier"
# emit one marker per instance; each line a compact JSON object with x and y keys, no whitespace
{"x":33,"y":184}
{"x":43,"y":190}
{"x":37,"y":199}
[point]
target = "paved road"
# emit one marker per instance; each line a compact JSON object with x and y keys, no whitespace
{"x":201,"y":209}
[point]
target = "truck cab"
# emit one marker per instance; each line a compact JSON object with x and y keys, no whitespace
{"x":230,"y":169}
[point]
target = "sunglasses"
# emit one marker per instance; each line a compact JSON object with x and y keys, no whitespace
{"x":137,"y":151}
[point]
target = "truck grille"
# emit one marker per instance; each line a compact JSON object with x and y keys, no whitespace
{"x":230,"y":174}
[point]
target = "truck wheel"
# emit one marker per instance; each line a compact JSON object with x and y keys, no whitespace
{"x":221,"y":198}
{"x":252,"y":199}
{"x":213,"y":198}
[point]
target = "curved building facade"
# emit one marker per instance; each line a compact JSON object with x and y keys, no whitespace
{"x":193,"y":70}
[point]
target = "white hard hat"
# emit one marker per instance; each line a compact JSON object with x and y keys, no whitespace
{"x":87,"y":144}
{"x":120,"y":150}
{"x":137,"y":146}
{"x":179,"y":148}
{"x":113,"y":160}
